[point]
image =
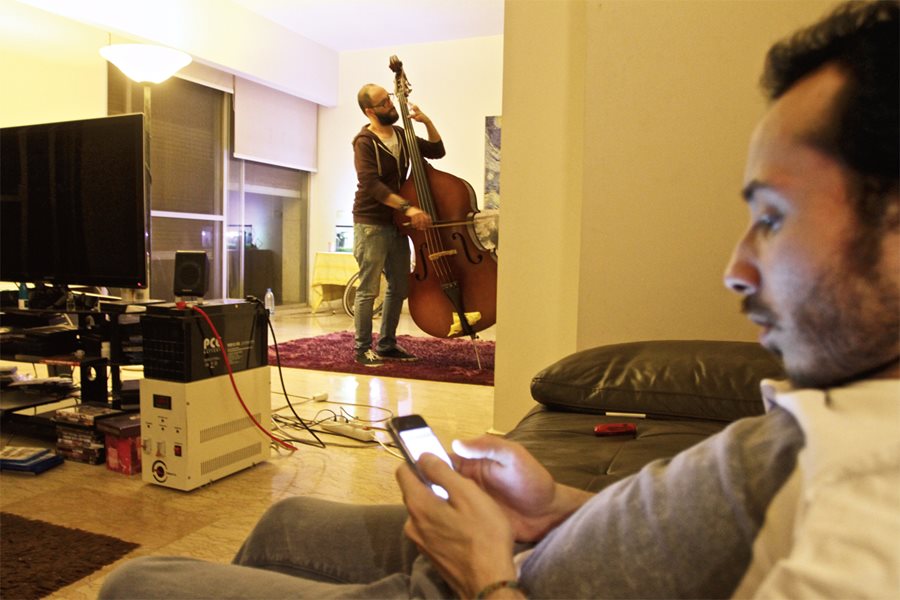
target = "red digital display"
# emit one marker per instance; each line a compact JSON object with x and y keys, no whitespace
{"x":160,"y":401}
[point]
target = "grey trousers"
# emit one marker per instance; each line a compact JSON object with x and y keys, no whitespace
{"x":379,"y":248}
{"x":300,"y":548}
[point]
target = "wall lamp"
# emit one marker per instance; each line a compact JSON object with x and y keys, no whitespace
{"x":146,"y":63}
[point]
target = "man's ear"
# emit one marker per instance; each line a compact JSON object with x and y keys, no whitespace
{"x":891,"y":240}
{"x":892,"y":213}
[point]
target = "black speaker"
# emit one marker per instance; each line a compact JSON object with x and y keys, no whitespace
{"x":191,"y":273}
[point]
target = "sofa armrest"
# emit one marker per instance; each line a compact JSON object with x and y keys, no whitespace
{"x":696,"y":379}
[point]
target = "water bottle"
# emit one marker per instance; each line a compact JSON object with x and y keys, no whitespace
{"x":23,"y":296}
{"x":270,"y":302}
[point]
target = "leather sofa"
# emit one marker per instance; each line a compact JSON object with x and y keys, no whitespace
{"x":676,"y":393}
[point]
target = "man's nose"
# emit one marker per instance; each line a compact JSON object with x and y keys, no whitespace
{"x":741,"y":275}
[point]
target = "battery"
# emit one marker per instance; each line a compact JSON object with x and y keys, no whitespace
{"x":179,"y":344}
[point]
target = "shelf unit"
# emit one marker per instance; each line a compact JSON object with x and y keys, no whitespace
{"x":107,"y":340}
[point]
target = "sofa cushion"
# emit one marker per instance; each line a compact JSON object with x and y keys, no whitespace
{"x":694,"y":379}
{"x":564,"y":442}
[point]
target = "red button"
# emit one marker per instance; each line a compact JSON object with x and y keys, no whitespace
{"x":177,"y":449}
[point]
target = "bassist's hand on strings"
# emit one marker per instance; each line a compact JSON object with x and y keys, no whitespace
{"x":417,"y":115}
{"x":418,"y":219}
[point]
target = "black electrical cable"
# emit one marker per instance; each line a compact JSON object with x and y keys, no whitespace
{"x":233,"y":383}
{"x":321,"y":444}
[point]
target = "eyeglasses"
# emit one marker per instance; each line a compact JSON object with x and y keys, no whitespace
{"x":387,"y":100}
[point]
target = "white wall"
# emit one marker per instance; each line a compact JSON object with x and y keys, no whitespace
{"x":457,"y":84}
{"x":674,"y":100}
{"x":542,"y":163}
{"x":625,"y":128}
{"x":221,"y":34}
{"x":50,"y":66}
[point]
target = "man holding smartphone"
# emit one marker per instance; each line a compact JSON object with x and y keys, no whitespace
{"x":803,"y":501}
{"x":778,"y":505}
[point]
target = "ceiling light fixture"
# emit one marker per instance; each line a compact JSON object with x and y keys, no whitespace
{"x":146,"y":63}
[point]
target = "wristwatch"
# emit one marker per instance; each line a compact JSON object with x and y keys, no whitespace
{"x":404,"y":207}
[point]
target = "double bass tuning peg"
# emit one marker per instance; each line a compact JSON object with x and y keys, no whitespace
{"x":402,"y":87}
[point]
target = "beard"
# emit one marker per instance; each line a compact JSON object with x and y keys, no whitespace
{"x":844,"y":327}
{"x":388,"y":118}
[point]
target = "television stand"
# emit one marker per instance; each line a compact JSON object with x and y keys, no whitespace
{"x":108,"y":339}
{"x":13,"y":400}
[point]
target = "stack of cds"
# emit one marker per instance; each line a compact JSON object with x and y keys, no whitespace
{"x":77,"y":437}
{"x":8,"y":374}
{"x":28,"y":460}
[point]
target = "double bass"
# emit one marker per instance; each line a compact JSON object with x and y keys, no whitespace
{"x":453,"y":287}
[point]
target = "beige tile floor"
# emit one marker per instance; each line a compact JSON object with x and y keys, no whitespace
{"x":211,"y":522}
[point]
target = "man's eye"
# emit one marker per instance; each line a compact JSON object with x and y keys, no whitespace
{"x":769,"y":222}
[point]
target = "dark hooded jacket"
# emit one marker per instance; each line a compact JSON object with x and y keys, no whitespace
{"x":380,"y":173}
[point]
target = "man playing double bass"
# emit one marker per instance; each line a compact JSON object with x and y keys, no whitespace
{"x":382,"y":165}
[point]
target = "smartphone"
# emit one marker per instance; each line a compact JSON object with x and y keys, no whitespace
{"x":414,"y":437}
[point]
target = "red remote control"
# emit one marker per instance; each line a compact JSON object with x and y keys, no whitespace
{"x":606,"y":429}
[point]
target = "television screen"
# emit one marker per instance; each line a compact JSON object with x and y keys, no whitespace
{"x":72,"y":203}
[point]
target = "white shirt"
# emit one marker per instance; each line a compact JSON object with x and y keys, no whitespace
{"x":833,"y":530}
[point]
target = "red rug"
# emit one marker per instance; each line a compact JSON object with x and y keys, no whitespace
{"x":439,"y":359}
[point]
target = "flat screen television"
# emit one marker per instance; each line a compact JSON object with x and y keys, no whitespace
{"x":72,"y":203}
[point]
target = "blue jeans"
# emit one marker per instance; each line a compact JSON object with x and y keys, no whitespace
{"x":377,"y":249}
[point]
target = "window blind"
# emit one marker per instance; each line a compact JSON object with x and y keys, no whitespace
{"x":208,"y":76}
{"x":273,"y":127}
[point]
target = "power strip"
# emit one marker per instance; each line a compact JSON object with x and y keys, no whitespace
{"x":353,"y":431}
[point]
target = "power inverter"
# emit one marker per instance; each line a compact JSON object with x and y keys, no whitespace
{"x":196,"y":432}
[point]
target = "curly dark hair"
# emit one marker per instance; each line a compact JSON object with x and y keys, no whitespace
{"x":861,"y":38}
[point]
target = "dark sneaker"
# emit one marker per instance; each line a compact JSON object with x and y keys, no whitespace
{"x":395,"y":353}
{"x":368,"y":359}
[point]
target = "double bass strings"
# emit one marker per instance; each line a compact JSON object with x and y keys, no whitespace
{"x":435,"y":248}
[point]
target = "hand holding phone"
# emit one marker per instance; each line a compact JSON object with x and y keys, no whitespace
{"x":414,"y":437}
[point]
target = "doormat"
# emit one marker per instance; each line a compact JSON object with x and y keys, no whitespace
{"x":448,"y":360}
{"x":38,"y":558}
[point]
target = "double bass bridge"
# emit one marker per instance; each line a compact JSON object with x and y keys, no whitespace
{"x":437,"y":255}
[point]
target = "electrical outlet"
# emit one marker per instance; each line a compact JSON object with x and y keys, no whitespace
{"x":354,"y":431}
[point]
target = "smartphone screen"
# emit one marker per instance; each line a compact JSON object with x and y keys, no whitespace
{"x":415,"y":438}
